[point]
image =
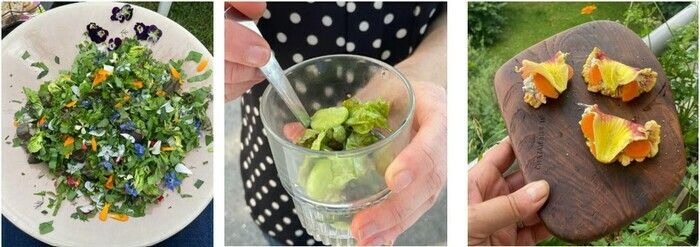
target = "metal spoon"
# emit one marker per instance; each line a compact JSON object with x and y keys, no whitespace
{"x":274,"y":73}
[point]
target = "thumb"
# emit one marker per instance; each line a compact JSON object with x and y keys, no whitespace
{"x":490,"y":216}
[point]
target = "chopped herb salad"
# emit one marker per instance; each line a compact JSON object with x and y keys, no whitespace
{"x":114,"y":130}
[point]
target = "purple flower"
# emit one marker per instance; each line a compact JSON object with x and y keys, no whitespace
{"x":107,"y":165}
{"x":115,"y":116}
{"x":139,"y":149}
{"x":197,"y":124}
{"x":97,"y":34}
{"x":150,"y":33}
{"x":122,"y":14}
{"x":130,"y":190}
{"x":127,"y":126}
{"x":86,"y":103}
{"x":114,"y":43}
{"x":171,"y":180}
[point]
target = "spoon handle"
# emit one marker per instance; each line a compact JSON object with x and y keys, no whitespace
{"x":274,"y":73}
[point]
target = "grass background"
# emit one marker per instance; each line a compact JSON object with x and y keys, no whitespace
{"x":196,"y":17}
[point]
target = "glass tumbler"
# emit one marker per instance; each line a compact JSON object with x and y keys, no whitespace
{"x":329,"y":187}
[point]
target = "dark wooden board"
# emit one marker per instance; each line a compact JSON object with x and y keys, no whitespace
{"x":588,"y":199}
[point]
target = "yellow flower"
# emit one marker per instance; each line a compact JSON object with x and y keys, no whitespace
{"x":589,"y":9}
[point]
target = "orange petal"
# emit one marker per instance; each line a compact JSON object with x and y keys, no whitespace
{"x":175,"y":73}
{"x":104,"y":212}
{"x":93,"y":142}
{"x":41,"y":121}
{"x":630,"y":91}
{"x":594,"y":76}
{"x":68,"y":141}
{"x":110,"y":182}
{"x":638,"y":149}
{"x":202,"y":65}
{"x":587,"y":125}
{"x":119,"y":217}
{"x":544,"y":87}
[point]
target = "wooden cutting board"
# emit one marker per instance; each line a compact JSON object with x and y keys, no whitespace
{"x":589,"y":200}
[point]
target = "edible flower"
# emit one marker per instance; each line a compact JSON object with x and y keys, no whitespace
{"x":72,"y":182}
{"x":68,"y":141}
{"x":107,"y":165}
{"x":175,"y":73}
{"x":202,"y":65}
{"x":167,"y":148}
{"x":137,"y":84}
{"x":119,"y":217}
{"x":41,"y":121}
{"x":104,"y":211}
{"x":589,"y":9}
{"x":93,"y":143}
{"x":127,"y":126}
{"x":139,"y":149}
{"x":115,"y":116}
{"x":110,"y":182}
{"x":71,"y":104}
{"x":130,"y":190}
{"x":100,"y":76}
{"x":545,"y":80}
{"x":160,"y":93}
{"x":615,"y":79}
{"x":171,"y":180}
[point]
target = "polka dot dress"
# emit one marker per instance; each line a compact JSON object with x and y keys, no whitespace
{"x":388,"y":31}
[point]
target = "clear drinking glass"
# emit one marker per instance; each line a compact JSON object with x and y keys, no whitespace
{"x":348,"y":181}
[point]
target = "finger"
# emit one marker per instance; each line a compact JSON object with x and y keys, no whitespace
{"x":253,"y":10}
{"x":489,"y":216}
{"x":293,"y":131}
{"x":244,"y":46}
{"x":500,"y":156}
{"x":237,"y":73}
{"x":532,"y":235}
{"x":397,"y":208}
{"x":389,"y":236}
{"x":515,"y":181}
{"x":426,"y":153}
{"x":233,"y":91}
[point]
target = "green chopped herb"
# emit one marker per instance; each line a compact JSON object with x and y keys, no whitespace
{"x":56,"y":60}
{"x":200,"y":77}
{"x":185,"y":195}
{"x":198,"y":183}
{"x":46,"y":227}
{"x":44,"y":69}
{"x":25,"y":55}
{"x":194,"y":56}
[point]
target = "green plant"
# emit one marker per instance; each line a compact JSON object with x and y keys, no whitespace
{"x":485,"y":126}
{"x":485,"y":22}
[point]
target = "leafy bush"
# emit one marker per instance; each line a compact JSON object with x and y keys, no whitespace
{"x":485,"y":22}
{"x":485,"y":126}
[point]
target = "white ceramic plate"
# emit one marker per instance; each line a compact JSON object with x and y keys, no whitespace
{"x":56,"y":33}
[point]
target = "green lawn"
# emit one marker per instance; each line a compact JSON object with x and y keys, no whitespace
{"x":529,"y":23}
{"x":196,"y":17}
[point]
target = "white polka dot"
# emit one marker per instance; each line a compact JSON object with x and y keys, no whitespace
{"x":298,"y":233}
{"x":252,"y":178}
{"x":255,"y":111}
{"x":258,"y":195}
{"x":257,"y":222}
{"x":255,"y":147}
{"x":257,"y":172}
{"x":327,"y":21}
{"x":264,"y":189}
{"x":284,"y":198}
{"x":349,"y":77}
{"x":286,"y":220}
{"x":289,"y":242}
{"x":260,"y":140}
{"x":422,"y":29}
{"x":245,"y":165}
{"x":388,"y":18}
{"x":401,"y":33}
{"x":310,"y":242}
{"x":281,"y":37}
{"x":271,"y":233}
{"x":261,"y":218}
{"x":297,"y":58}
{"x":269,"y":160}
{"x":410,"y":50}
{"x":273,"y":183}
{"x":294,"y":210}
{"x":378,"y":5}
{"x":350,"y":47}
{"x":312,"y":40}
{"x":275,"y":206}
{"x":340,"y":41}
{"x":300,"y":87}
{"x":350,"y":8}
{"x":248,"y":184}
{"x":278,"y":227}
{"x":328,"y":91}
{"x":315,"y":105}
{"x":263,"y":166}
{"x":364,"y":26}
{"x":341,"y":3}
{"x":266,"y":14}
{"x":386,"y":54}
{"x":251,"y":202}
{"x":267,"y":212}
{"x":416,"y":11}
{"x":377,"y":43}
{"x":247,"y":108}
{"x":295,"y":18}
{"x":432,"y":12}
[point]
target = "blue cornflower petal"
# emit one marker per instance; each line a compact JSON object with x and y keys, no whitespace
{"x":115,"y":116}
{"x":130,"y":190}
{"x":127,"y":126}
{"x":171,"y":180}
{"x":107,"y":165}
{"x":86,"y":103}
{"x":139,"y":149}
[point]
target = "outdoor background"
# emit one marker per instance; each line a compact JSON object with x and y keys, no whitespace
{"x":499,"y":31}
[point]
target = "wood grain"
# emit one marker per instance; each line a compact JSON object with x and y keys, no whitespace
{"x":588,"y":199}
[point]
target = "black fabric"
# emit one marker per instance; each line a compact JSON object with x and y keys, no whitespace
{"x":287,"y":27}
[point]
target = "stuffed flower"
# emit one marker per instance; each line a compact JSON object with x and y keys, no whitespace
{"x":615,"y":79}
{"x":545,"y":80}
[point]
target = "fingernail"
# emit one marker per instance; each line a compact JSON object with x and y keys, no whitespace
{"x":368,"y":230}
{"x":402,"y":180}
{"x":537,"y":190}
{"x":257,"y":55}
